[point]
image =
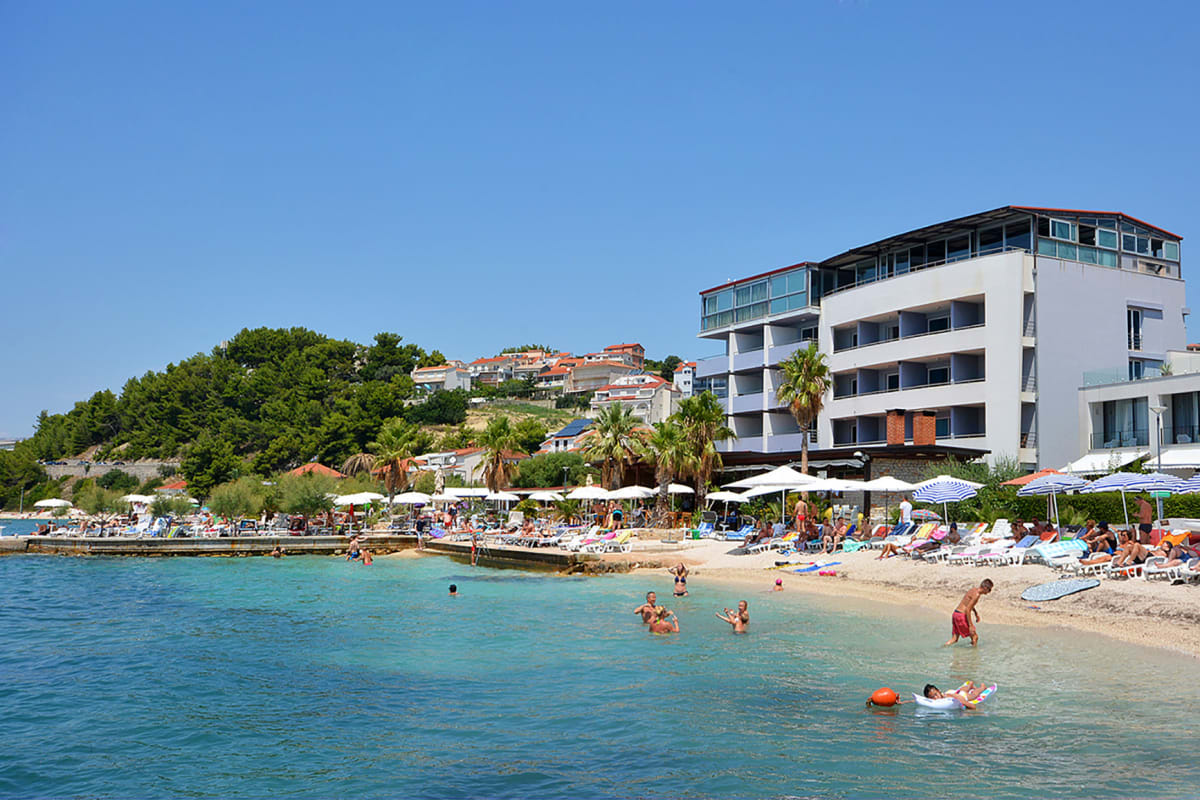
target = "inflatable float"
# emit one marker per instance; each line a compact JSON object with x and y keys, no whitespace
{"x":953,"y":703}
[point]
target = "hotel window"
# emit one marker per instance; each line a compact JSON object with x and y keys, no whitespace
{"x":1171,"y":251}
{"x":1017,"y":235}
{"x":991,"y":240}
{"x":892,"y":381}
{"x":941,"y":426}
{"x":1106,"y":239}
{"x":1067,"y":251}
{"x":1062,"y":230}
{"x":939,"y":323}
{"x":958,"y":248}
{"x":935,"y":252}
{"x":939,"y":375}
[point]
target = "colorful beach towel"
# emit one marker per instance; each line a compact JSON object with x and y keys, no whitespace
{"x":815,"y":567}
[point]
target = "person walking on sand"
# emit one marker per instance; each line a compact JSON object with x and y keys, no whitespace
{"x":738,"y":619}
{"x":660,"y":624}
{"x":961,"y":625}
{"x":801,"y":514}
{"x":648,"y":609}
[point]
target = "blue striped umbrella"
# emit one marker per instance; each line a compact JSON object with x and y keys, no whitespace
{"x":1052,"y":485}
{"x":944,"y":489}
{"x":1155,"y":482}
{"x":1190,"y":486}
{"x":1117,"y":482}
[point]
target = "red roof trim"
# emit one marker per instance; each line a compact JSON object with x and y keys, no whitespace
{"x":761,"y":275}
{"x":1087,"y":213}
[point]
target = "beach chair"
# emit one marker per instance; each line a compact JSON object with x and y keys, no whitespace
{"x":620,"y":544}
{"x":1001,"y":529}
{"x":901,"y":534}
{"x":920,"y":536}
{"x":1058,"y":555}
{"x":1015,"y":555}
{"x":704,"y":530}
{"x":775,"y":543}
{"x":599,"y":545}
{"x":991,"y":551}
{"x":740,"y":534}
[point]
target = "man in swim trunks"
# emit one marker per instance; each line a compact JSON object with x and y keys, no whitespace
{"x":648,"y":609}
{"x":680,"y":572}
{"x":660,"y":624}
{"x":961,"y":625}
{"x":738,"y":619}
{"x":352,"y":550}
{"x":1145,"y":514}
{"x":801,"y":514}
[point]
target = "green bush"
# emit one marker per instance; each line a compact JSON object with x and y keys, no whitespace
{"x":118,"y":481}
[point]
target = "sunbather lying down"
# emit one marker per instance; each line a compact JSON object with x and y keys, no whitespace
{"x":967,"y":694}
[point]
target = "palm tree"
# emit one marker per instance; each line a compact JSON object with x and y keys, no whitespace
{"x":358,"y":464}
{"x":805,"y":382}
{"x":393,"y":449}
{"x":668,"y":450}
{"x":703,"y":423}
{"x":612,"y":442}
{"x":498,"y":441}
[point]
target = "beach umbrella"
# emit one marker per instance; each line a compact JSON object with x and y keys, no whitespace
{"x":358,"y":499}
{"x":887,"y":484}
{"x":546,"y":497}
{"x":632,"y":493}
{"x":52,"y":502}
{"x":926,"y":515}
{"x":1158,"y":484}
{"x":1052,"y":483}
{"x":503,"y":497}
{"x":679,"y":488}
{"x":1033,"y":476}
{"x":588,"y":493}
{"x":728,"y":497}
{"x":945,"y":489}
{"x":412,"y":499}
{"x":470,"y":491}
{"x":1117,"y":482}
{"x":1190,"y":486}
{"x":780,"y":479}
{"x":136,"y":498}
{"x":443,"y":498}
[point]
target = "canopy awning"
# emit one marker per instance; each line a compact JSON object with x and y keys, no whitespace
{"x":1107,"y":461}
{"x":1179,"y":458}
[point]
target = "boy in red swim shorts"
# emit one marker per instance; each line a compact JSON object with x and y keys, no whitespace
{"x":961,"y":625}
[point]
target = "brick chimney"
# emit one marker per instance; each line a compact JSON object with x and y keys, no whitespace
{"x":924,"y":428}
{"x":895,"y":426}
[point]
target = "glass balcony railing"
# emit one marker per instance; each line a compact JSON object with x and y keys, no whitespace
{"x":1106,"y":440}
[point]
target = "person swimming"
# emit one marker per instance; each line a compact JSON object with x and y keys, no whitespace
{"x":366,"y":558}
{"x":778,"y":585}
{"x":454,"y":590}
{"x":648,"y":609}
{"x":680,"y":572}
{"x":738,"y":619}
{"x":660,"y":624}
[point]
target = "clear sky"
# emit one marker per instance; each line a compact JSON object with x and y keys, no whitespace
{"x":475,"y":175}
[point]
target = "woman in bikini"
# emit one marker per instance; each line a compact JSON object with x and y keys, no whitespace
{"x":680,"y":572}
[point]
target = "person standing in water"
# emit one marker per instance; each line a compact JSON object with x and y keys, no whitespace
{"x":648,"y":609}
{"x":454,"y":590}
{"x":680,"y":572}
{"x":660,"y":624}
{"x":738,"y":619}
{"x":961,"y":625}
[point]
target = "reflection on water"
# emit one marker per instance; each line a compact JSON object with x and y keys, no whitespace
{"x":311,"y":677}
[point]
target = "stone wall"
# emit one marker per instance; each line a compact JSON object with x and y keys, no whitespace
{"x":142,"y":470}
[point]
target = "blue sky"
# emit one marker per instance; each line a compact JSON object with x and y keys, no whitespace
{"x":474,"y":175}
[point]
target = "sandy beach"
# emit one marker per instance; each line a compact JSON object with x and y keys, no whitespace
{"x":1149,"y":613}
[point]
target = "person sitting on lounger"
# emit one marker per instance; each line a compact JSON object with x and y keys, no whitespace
{"x":1131,"y":553}
{"x":1048,"y":533}
{"x":833,"y":536}
{"x":661,"y":625}
{"x":738,"y":619}
{"x":1175,"y":554}
{"x":966,"y":695}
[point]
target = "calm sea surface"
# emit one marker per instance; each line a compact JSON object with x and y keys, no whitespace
{"x":311,"y":677}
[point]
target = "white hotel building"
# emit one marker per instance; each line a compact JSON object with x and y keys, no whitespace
{"x":988,"y":323}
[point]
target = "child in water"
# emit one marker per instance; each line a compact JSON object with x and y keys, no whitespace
{"x":660,"y":625}
{"x":966,"y":694}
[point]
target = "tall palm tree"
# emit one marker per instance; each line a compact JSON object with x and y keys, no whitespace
{"x":359,"y":463}
{"x":393,"y":450}
{"x":703,"y":423}
{"x":498,"y":440}
{"x":612,"y":442}
{"x":805,"y":381}
{"x":669,"y":451}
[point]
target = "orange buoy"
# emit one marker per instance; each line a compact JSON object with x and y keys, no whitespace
{"x":884,"y":697}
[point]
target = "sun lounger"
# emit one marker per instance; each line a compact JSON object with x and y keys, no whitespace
{"x":704,"y":530}
{"x":1153,"y":568}
{"x":902,"y":530}
{"x":779,"y":543}
{"x":620,"y":544}
{"x":1016,"y":554}
{"x":599,"y":545}
{"x":740,"y":534}
{"x":1058,"y":554}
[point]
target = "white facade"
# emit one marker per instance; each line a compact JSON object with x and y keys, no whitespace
{"x":648,"y":397}
{"x":978,"y":320}
{"x":448,"y":376}
{"x":685,"y":376}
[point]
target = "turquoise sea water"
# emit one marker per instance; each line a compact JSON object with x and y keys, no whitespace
{"x":311,"y":677}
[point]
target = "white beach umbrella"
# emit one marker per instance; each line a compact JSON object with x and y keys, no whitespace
{"x":780,"y":479}
{"x":443,"y":498}
{"x":588,"y":493}
{"x":52,"y":502}
{"x":412,"y":499}
{"x":1052,"y":485}
{"x":503,"y":497}
{"x":632,"y":493}
{"x":136,"y":498}
{"x":679,"y":488}
{"x":728,"y":497}
{"x":888,"y":484}
{"x":546,"y":497}
{"x":359,"y":499}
